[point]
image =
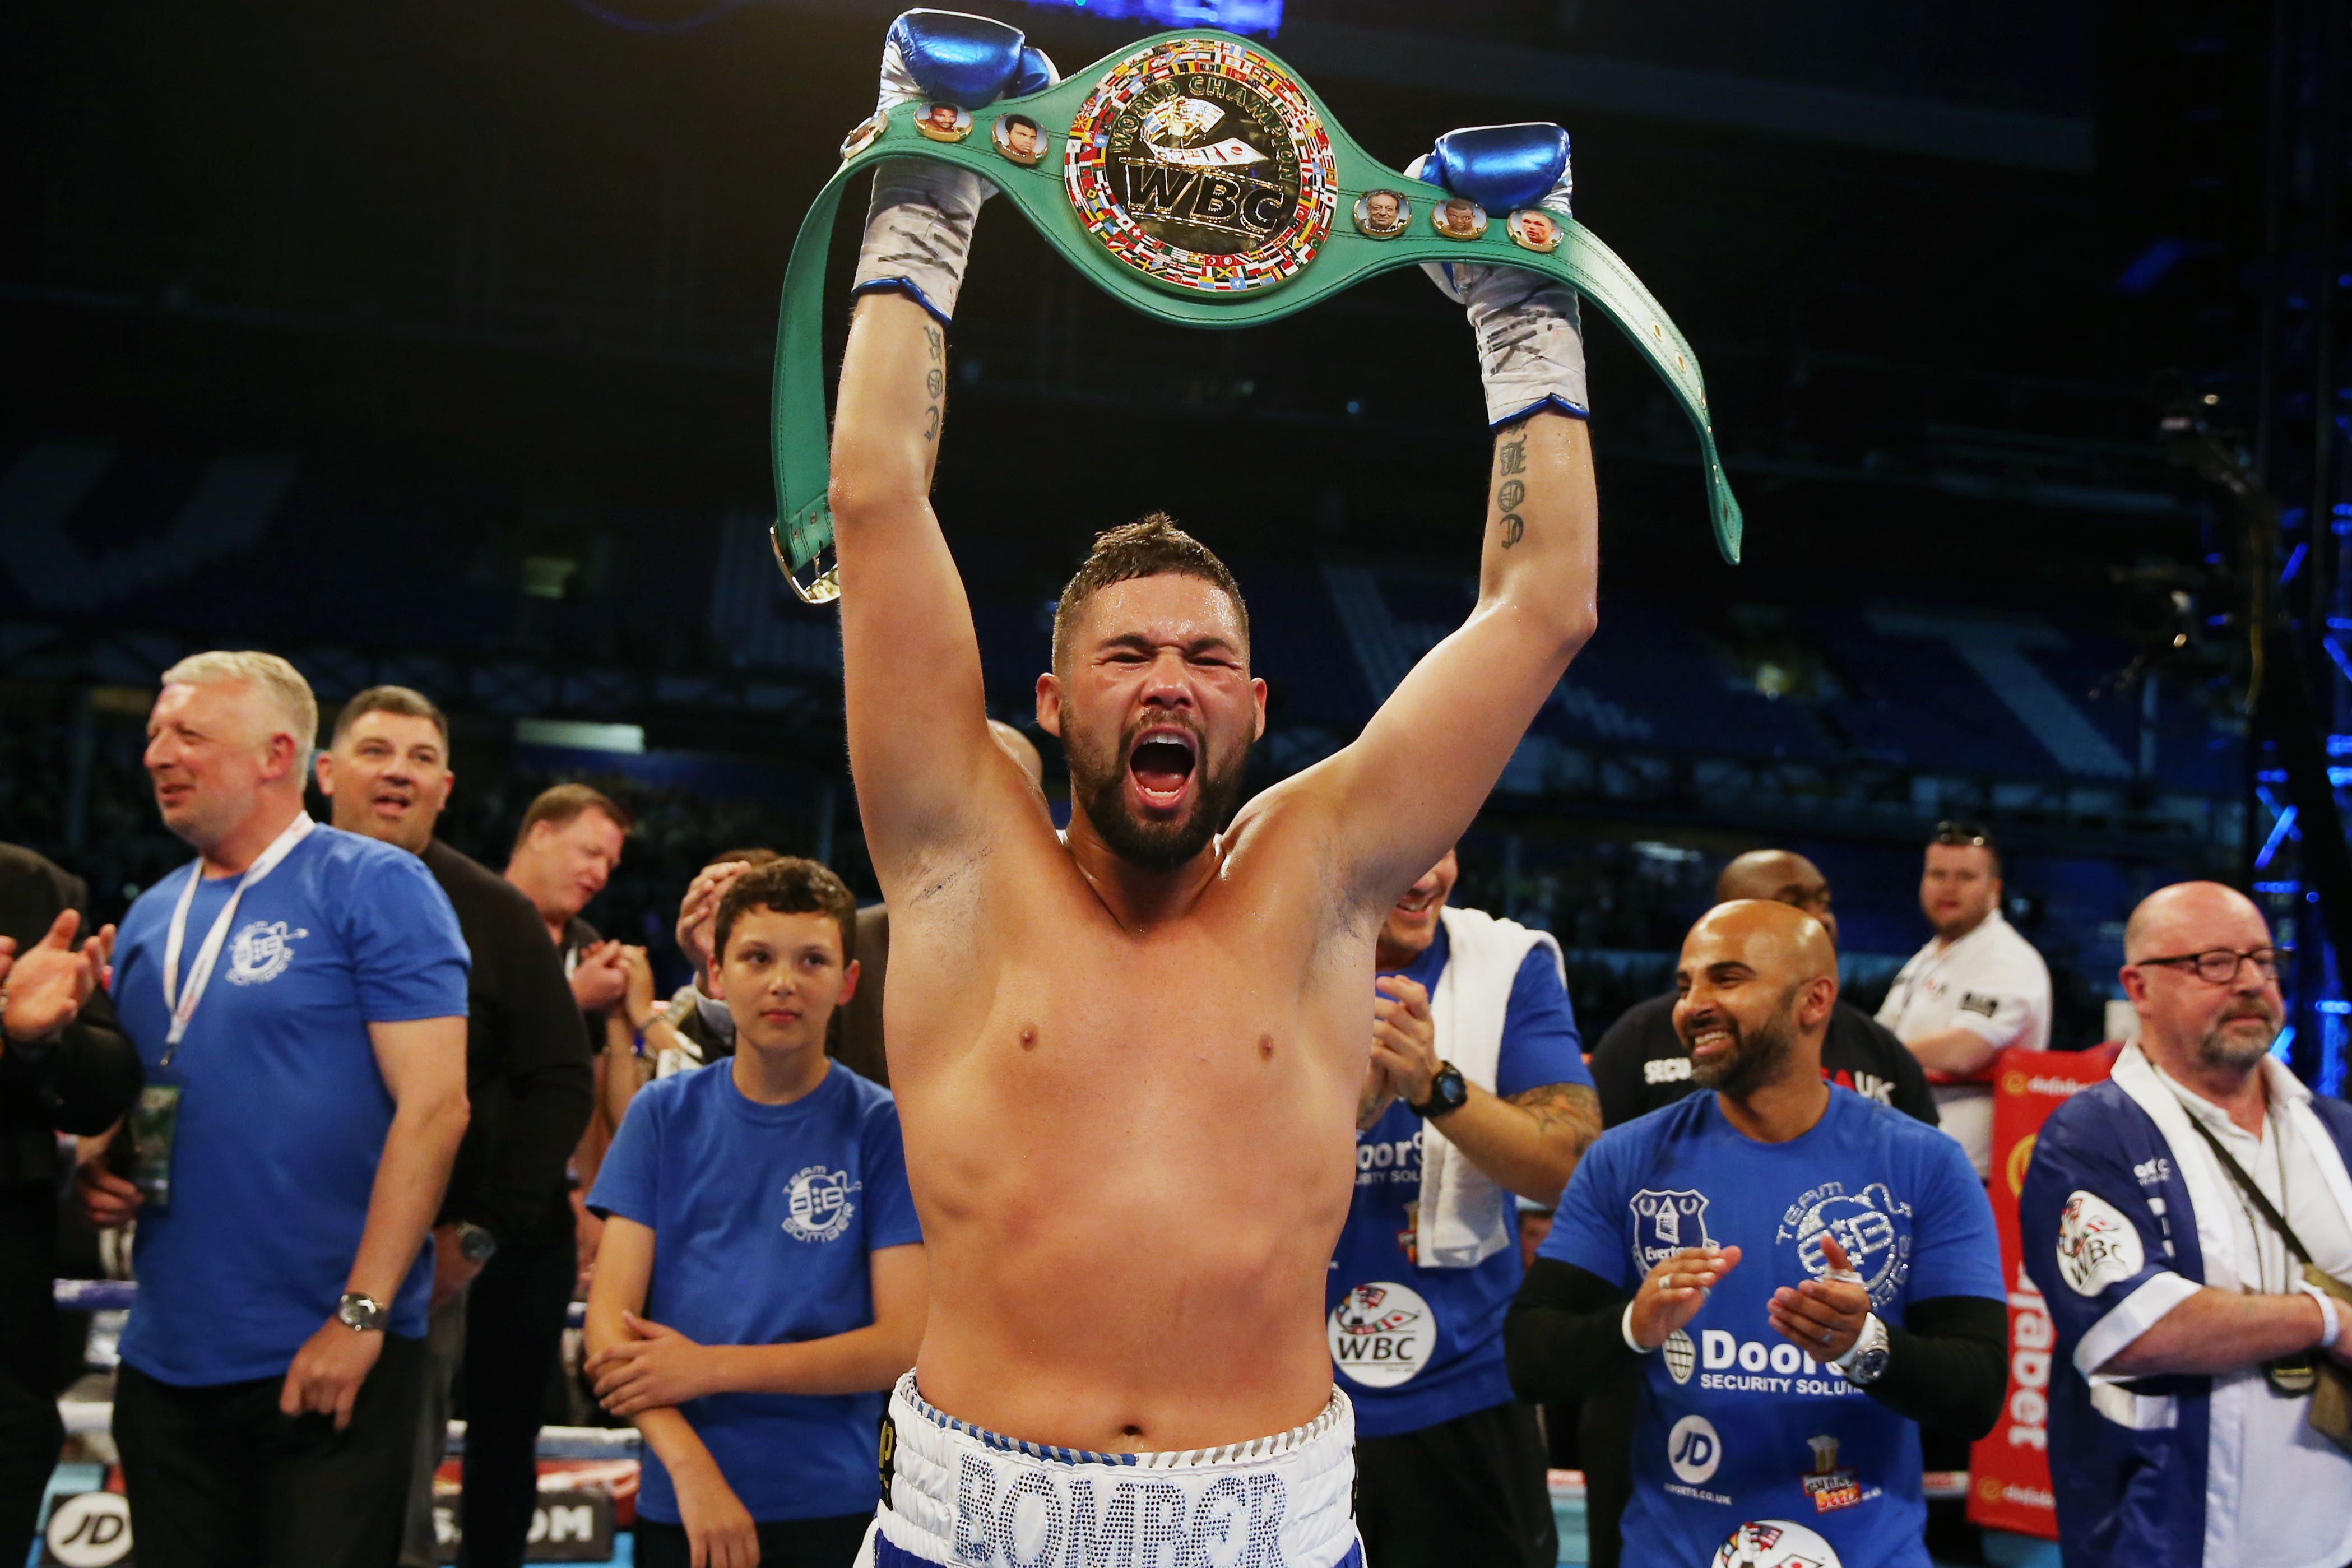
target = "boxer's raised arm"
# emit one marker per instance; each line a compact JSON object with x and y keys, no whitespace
{"x":1403,"y":793}
{"x":920,"y":751}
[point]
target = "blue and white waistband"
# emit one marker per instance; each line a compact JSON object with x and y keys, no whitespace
{"x":955,"y":1496}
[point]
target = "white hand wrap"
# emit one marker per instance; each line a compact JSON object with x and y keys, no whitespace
{"x":1531,"y":333}
{"x":919,"y":226}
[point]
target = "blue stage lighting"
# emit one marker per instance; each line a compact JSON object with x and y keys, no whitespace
{"x":1233,"y":16}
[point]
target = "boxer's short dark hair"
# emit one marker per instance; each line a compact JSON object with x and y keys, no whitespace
{"x":788,"y":886}
{"x":1150,"y":547}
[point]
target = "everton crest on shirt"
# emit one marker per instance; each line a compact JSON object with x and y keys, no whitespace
{"x":1737,"y":1426}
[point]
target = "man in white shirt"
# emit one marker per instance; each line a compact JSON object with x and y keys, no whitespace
{"x":2188,"y":1327}
{"x":1976,"y":989}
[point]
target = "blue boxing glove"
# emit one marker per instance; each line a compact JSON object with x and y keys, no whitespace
{"x":919,"y":226}
{"x":1530,"y":336}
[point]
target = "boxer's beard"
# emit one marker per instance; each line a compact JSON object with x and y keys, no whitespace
{"x":1754,"y":1060}
{"x":1098,"y":781}
{"x":2238,"y":1048}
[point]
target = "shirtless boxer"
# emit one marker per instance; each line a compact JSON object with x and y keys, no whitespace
{"x":1127,"y":1065}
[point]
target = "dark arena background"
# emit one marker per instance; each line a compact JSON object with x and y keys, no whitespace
{"x":431,"y":344}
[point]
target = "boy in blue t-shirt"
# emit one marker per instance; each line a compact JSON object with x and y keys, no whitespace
{"x":761,"y":1281}
{"x":1797,"y":1277}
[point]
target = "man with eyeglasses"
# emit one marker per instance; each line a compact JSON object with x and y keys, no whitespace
{"x":1975,"y":990}
{"x":2185,"y":1221}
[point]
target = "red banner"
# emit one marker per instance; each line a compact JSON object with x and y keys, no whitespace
{"x":2009,"y":1469}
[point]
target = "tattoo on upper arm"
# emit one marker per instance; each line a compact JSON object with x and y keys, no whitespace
{"x":1511,"y":458}
{"x":1572,"y":1106}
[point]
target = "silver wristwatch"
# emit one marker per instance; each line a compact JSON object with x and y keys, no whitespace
{"x":475,"y":1243}
{"x":1865,"y":1363}
{"x":360,"y":1313}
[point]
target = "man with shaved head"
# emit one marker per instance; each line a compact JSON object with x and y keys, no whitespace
{"x":1641,"y":1064}
{"x":1798,"y":1276}
{"x":2189,"y":1223}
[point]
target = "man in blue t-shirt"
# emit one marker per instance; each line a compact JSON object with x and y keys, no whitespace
{"x":761,"y":1278}
{"x":1799,"y":1276}
{"x":298,"y":998}
{"x":1477,"y":1092}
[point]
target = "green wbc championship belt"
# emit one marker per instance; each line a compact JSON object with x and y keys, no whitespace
{"x":1123,"y":169}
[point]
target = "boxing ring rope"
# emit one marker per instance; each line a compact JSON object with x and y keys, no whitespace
{"x":84,"y":1417}
{"x":117,"y":1295}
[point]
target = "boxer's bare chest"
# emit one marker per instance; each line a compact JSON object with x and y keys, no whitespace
{"x":1029,"y":1031}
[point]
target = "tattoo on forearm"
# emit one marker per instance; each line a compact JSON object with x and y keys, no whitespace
{"x":934,"y":379}
{"x":1511,"y":458}
{"x":1572,"y":1107}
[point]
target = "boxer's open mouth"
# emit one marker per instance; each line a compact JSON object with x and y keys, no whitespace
{"x":1163,"y":762}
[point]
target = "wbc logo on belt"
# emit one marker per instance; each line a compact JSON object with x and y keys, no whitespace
{"x":1202,"y":165}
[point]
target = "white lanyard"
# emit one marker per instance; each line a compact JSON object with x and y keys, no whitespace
{"x":184,"y":1003}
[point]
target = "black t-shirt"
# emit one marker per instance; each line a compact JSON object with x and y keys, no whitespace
{"x":1641,"y":1065}
{"x":90,"y":1074}
{"x":527,"y":1066}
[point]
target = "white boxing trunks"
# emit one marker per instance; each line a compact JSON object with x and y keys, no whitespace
{"x":953,"y":1494}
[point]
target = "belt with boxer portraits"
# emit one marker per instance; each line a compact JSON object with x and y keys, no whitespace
{"x":1195,"y":178}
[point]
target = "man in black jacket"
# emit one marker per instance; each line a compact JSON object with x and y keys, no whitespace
{"x":64,"y":1068}
{"x":502,"y":1244}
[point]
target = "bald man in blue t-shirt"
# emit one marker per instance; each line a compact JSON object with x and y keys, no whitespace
{"x":1797,"y":1276}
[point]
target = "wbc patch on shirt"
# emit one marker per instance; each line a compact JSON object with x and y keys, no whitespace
{"x":1980,"y":1004}
{"x":2097,"y":1246}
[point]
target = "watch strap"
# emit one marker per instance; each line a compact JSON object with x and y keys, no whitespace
{"x":1873,"y":1337}
{"x":1439,"y":1102}
{"x":361,"y":1313}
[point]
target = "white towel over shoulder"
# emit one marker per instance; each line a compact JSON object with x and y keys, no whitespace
{"x":1465,"y":1217}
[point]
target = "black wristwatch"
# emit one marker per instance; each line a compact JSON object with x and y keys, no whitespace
{"x":360,"y":1313}
{"x":475,"y":1244}
{"x":1448,"y":1091}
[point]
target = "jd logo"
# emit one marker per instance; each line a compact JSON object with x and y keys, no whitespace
{"x":91,"y":1531}
{"x":1694,"y":1450}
